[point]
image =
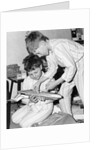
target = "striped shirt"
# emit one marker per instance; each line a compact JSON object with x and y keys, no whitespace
{"x":64,"y":53}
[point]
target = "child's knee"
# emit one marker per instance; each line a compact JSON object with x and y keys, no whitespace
{"x":24,"y":124}
{"x":14,"y":119}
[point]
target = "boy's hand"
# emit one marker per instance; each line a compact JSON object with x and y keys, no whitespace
{"x":34,"y":99}
{"x":51,"y":85}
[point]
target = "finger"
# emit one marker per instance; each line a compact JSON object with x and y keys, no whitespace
{"x":32,"y":97}
{"x":36,"y":100}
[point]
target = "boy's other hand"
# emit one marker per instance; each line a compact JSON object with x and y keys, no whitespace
{"x":34,"y":99}
{"x":50,"y":86}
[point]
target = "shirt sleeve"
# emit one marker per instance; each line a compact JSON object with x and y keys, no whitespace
{"x":25,"y":84}
{"x":64,"y":57}
{"x":52,"y":66}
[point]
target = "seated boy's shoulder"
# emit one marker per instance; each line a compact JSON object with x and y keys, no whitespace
{"x":27,"y":78}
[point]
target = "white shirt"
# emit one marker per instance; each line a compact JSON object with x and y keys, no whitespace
{"x":64,"y":53}
{"x":28,"y":83}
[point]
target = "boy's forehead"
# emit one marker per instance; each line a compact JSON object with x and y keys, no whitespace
{"x":32,"y":44}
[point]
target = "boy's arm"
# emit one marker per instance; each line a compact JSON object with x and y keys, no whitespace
{"x":63,"y":53}
{"x":52,"y":66}
{"x":52,"y":69}
{"x":70,"y":66}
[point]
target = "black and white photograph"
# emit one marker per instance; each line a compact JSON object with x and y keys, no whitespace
{"x":44,"y":78}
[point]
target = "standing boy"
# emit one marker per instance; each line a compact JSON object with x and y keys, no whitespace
{"x":62,"y":52}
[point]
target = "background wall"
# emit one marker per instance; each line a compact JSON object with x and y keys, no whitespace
{"x":16,"y":50}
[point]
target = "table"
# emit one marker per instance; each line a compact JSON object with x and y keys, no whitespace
{"x":17,"y":81}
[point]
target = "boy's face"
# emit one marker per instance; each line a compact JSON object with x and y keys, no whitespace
{"x":38,"y":48}
{"x":36,"y":73}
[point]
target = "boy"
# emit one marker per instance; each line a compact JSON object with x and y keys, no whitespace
{"x":39,"y":109}
{"x":62,"y":52}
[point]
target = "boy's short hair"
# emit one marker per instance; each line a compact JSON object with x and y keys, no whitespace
{"x":32,"y":62}
{"x":35,"y":36}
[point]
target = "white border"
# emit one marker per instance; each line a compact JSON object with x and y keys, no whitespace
{"x":44,"y":20}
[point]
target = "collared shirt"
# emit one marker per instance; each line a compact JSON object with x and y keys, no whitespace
{"x":64,"y":53}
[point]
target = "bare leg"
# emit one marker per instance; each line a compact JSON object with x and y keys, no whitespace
{"x":79,"y":79}
{"x":65,"y":103}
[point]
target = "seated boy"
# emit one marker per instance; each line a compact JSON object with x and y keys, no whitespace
{"x":39,"y":109}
